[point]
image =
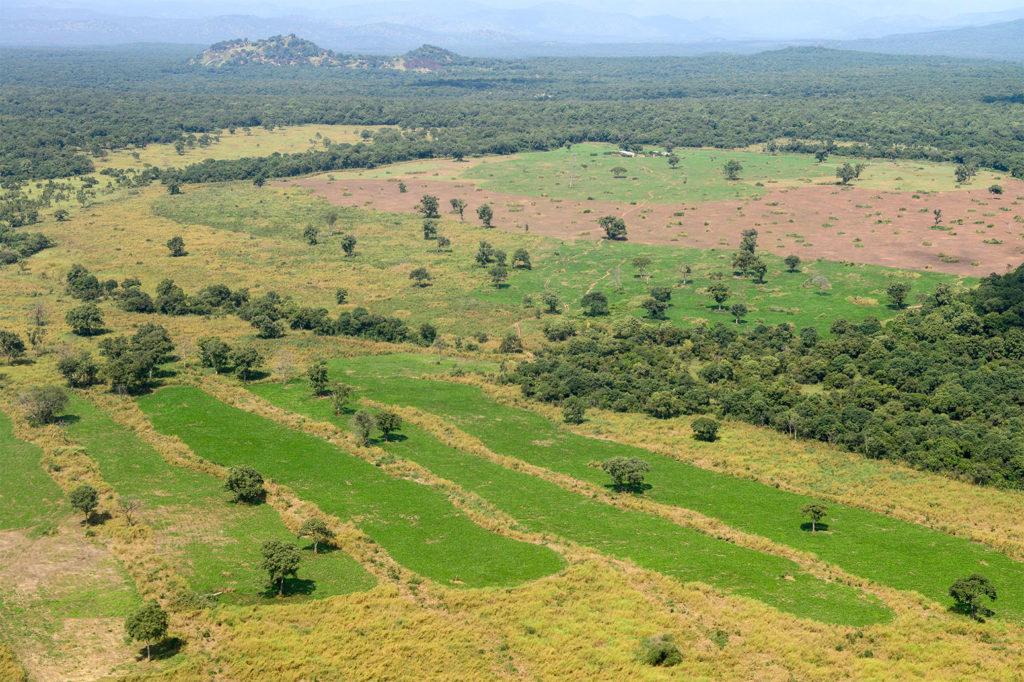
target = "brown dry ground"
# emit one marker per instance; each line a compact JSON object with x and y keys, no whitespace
{"x":831,"y":222}
{"x":36,"y":571}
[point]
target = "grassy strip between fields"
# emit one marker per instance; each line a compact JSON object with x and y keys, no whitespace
{"x":214,"y":542}
{"x":649,"y":541}
{"x":416,"y":524}
{"x":891,"y":552}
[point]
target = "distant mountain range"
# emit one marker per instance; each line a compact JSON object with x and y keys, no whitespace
{"x":554,"y":28}
{"x":291,"y":50}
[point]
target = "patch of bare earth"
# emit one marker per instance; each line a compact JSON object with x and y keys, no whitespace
{"x":36,"y":574}
{"x":824,"y":221}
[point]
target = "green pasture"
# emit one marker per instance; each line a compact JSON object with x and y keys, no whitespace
{"x":414,"y":522}
{"x":214,"y":542}
{"x":649,"y":541}
{"x":895,"y":553}
{"x":584,"y":172}
{"x":29,"y":499}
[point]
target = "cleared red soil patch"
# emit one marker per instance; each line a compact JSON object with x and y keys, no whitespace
{"x":853,"y":224}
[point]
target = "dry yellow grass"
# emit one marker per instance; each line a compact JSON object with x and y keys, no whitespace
{"x":10,"y":669}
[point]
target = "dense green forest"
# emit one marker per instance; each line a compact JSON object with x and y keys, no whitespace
{"x":60,"y":108}
{"x":940,"y":387}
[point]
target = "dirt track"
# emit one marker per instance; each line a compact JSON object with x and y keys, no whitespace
{"x":865,"y":226}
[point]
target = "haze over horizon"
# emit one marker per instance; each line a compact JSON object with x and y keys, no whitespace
{"x":479,"y":26}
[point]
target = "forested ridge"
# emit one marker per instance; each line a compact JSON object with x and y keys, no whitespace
{"x":940,"y":387}
{"x":61,"y":107}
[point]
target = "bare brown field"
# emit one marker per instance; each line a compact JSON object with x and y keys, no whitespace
{"x":894,"y":229}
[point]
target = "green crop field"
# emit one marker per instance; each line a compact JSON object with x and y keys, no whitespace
{"x":891,"y":552}
{"x":29,"y":499}
{"x":215,"y":542}
{"x":649,"y":541}
{"x":416,"y":524}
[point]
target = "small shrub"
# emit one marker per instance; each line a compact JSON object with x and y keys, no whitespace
{"x":660,"y":651}
{"x":705,"y":429}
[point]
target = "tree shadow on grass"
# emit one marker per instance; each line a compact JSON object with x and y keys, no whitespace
{"x":68,"y":419}
{"x":636,"y":489}
{"x":171,"y":646}
{"x":323,"y":549}
{"x":819,"y":527}
{"x":97,"y":519}
{"x":293,"y":587}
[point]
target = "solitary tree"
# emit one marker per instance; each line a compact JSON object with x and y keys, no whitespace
{"x":673,"y":160}
{"x":420,"y":277}
{"x":280,"y":560}
{"x":363,"y":424}
{"x":815,"y":511}
{"x":719,"y":291}
{"x":486,"y":214}
{"x":521,"y":259}
{"x":739,"y":311}
{"x":641,"y":263}
{"x":331,"y":217}
{"x":246,"y":484}
{"x":627,"y":473}
{"x":428,"y":206}
{"x":11,"y":346}
{"x":964,"y":172}
{"x":792,"y":262}
{"x":704,"y":429}
{"x":897,"y":293}
{"x":619,"y":171}
{"x":759,"y":268}
{"x":317,"y":530}
{"x":429,"y":228}
{"x":85,"y":499}
{"x":317,"y":374}
{"x":43,"y":404}
{"x":748,"y":240}
{"x":594,"y":303}
{"x":246,"y":360}
{"x":732,"y":169}
{"x":147,"y":624}
{"x":614,"y":228}
{"x":458,"y":206}
{"x":845,"y":173}
{"x":552,"y":304}
{"x":498,"y":273}
{"x":311,"y":234}
{"x":442,"y":243}
{"x":968,"y":595}
{"x":388,"y":422}
{"x":340,"y":295}
{"x":348,"y":244}
{"x":937,"y":214}
{"x":340,"y":395}
{"x":177,"y":246}
{"x":129,"y":506}
{"x":85,"y":320}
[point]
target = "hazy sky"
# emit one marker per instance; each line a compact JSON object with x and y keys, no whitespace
{"x":932,"y":8}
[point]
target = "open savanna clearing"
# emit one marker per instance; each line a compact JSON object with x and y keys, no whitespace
{"x":414,"y":522}
{"x":461,"y":297}
{"x":876,"y":221}
{"x":863,"y":543}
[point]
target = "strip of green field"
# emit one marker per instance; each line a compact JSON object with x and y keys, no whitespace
{"x":215,"y":543}
{"x":29,"y":499}
{"x":416,"y":523}
{"x":649,"y":541}
{"x":903,"y":555}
